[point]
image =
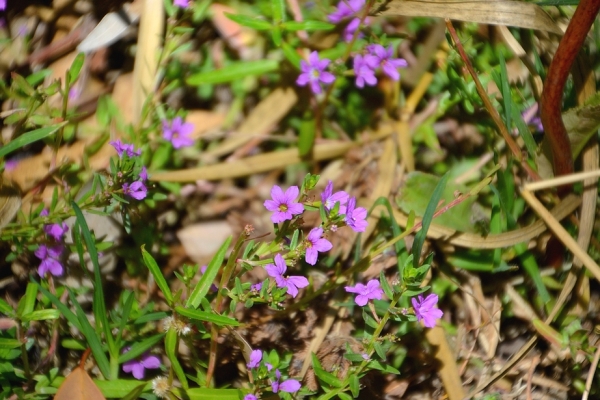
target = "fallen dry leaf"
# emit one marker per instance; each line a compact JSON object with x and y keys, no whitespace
{"x":79,"y":386}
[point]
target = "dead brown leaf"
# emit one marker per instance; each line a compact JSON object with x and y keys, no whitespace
{"x":79,"y":386}
{"x":509,"y":13}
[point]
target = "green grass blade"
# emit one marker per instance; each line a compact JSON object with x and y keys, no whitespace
{"x":427,"y":217}
{"x":29,"y":137}
{"x":158,"y":276}
{"x":208,"y":277}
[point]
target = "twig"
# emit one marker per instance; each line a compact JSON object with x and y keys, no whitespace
{"x":590,"y":378}
{"x":551,"y":101}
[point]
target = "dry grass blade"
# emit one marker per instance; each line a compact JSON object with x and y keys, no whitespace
{"x":509,"y":13}
{"x":146,"y":58}
{"x":491,"y":241}
{"x":448,"y":371}
{"x":262,"y":118}
{"x":10,"y":202}
{"x":252,"y":165}
{"x":562,"y":233}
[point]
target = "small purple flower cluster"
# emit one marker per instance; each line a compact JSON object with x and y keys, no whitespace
{"x":137,"y":366}
{"x":181,"y":3}
{"x":345,"y":10}
{"x":426,"y":311}
{"x":52,"y":254}
{"x":136,"y":189}
{"x":3,"y":5}
{"x":289,"y":385}
{"x":313,"y":72}
{"x":178,"y":132}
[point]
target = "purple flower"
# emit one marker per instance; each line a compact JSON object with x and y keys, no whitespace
{"x":44,"y":213}
{"x":143,"y":174}
{"x":181,"y":3}
{"x":56,"y":231}
{"x":290,"y":385}
{"x":426,"y":311}
{"x":2,"y":4}
{"x":355,"y":217}
{"x":363,"y":72}
{"x":328,"y":198}
{"x":283,"y":204}
{"x":292,"y":283}
{"x":345,"y":9}
{"x":178,"y":133}
{"x":124,"y":148}
{"x":315,"y":244}
{"x":256,"y":287}
{"x":255,"y":358}
{"x":365,"y":293}
{"x":50,"y":262}
{"x":314,"y":72}
{"x":388,"y":64}
{"x":137,"y":366}
{"x":137,"y":190}
{"x":250,"y":396}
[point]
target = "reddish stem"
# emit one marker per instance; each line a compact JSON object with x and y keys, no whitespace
{"x":551,"y":101}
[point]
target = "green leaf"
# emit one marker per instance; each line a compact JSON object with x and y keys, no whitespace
{"x":139,"y":348}
{"x":41,"y":315}
{"x":250,"y":22}
{"x":387,"y":289}
{"x":27,"y":302}
{"x":307,"y":26}
{"x":323,"y":375}
{"x":208,"y":277}
{"x":344,"y":396}
{"x":158,"y":275}
{"x":92,"y":337}
{"x":206,"y":316}
{"x":233,"y":71}
{"x":29,"y":137}
{"x":290,"y":53}
{"x":98,"y":303}
{"x":62,"y":307}
{"x":171,"y":349}
{"x":6,"y":309}
{"x":354,"y":385}
{"x":75,"y":69}
{"x":136,"y":392}
{"x":306,"y":139}
{"x":208,"y":394}
{"x":6,"y":343}
{"x":378,"y":365}
{"x":427,"y":217}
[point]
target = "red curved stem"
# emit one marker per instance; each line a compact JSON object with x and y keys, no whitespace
{"x":551,"y":101}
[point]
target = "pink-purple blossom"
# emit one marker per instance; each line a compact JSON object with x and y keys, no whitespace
{"x":356,"y":217}
{"x":56,"y":231}
{"x":328,"y":198}
{"x":283,"y":204}
{"x":385,"y":60}
{"x":255,"y":358}
{"x":138,"y":366}
{"x":364,"y":73}
{"x":313,"y":73}
{"x":250,"y":396}
{"x":143,"y":174}
{"x":137,"y":190}
{"x":426,"y":311}
{"x":181,"y":3}
{"x":292,"y":283}
{"x":315,"y":244}
{"x":178,"y":132}
{"x":44,"y":213}
{"x":370,"y":291}
{"x":348,"y":9}
{"x":125,"y":148}
{"x":2,"y":5}
{"x":256,"y":287}
{"x":290,"y":385}
{"x":50,"y":260}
